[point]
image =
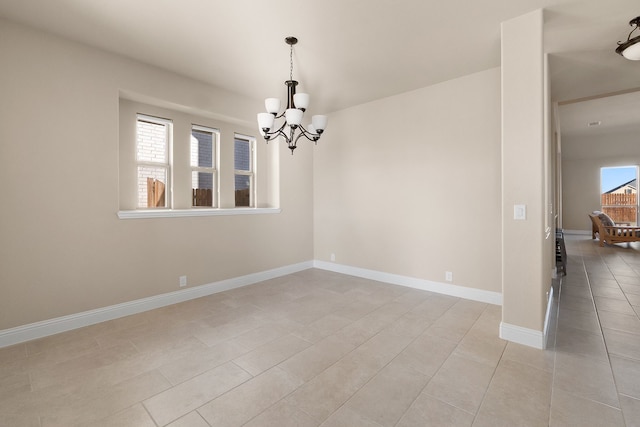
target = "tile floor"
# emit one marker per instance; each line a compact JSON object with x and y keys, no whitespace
{"x":321,"y":349}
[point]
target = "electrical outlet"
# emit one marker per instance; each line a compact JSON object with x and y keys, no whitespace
{"x":333,"y":257}
{"x":448,"y":276}
{"x":183,"y":281}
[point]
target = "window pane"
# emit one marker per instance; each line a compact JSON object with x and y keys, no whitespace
{"x":151,"y":186}
{"x":151,"y":142}
{"x":242,"y":155}
{"x":243,"y":189}
{"x":202,"y":188}
{"x":201,"y":149}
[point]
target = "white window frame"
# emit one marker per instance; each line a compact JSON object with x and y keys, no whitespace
{"x":251,"y":173}
{"x":215,"y":169}
{"x":168,"y":156}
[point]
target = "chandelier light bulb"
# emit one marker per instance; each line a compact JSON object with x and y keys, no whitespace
{"x":301,"y":101}
{"x":272,"y":105}
{"x":265,"y":121}
{"x":319,"y":123}
{"x":293,"y":116}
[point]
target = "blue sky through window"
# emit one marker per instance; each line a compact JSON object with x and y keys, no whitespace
{"x":613,"y":177}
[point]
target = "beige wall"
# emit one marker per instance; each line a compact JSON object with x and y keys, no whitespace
{"x":525,"y":174}
{"x":63,"y":250}
{"x":410,"y":184}
{"x":582,"y":158}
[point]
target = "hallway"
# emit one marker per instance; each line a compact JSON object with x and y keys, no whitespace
{"x":597,"y":342}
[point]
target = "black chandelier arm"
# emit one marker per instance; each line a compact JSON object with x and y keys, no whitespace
{"x":292,"y":139}
{"x":269,"y":135}
{"x":622,"y":46}
{"x":635,"y":22}
{"x":273,"y":135}
{"x":309,"y":135}
{"x":630,"y":41}
{"x":281,"y":128}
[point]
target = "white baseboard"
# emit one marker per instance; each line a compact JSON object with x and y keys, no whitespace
{"x":74,"y":321}
{"x":520,"y":335}
{"x":425,"y":285}
{"x":66,"y":323}
{"x":526,"y":336}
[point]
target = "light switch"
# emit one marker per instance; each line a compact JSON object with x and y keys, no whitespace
{"x":520,"y":212}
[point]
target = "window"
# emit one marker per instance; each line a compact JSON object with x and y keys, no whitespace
{"x":618,"y":193}
{"x":204,"y":172}
{"x":153,"y":137}
{"x":244,"y":170}
{"x":176,"y":164}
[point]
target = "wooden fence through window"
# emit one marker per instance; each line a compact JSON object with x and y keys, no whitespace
{"x":202,"y":197}
{"x":620,"y":207}
{"x":155,"y":193}
{"x":243,"y":198}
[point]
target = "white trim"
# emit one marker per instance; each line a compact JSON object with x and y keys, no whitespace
{"x":411,"y":282}
{"x":520,"y":335}
{"x":175,"y":213}
{"x":579,"y":232}
{"x":205,"y":129}
{"x":66,"y":323}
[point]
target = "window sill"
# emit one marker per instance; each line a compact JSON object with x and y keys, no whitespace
{"x":173,"y":213}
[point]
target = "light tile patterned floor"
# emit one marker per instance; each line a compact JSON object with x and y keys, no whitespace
{"x":322,"y":349}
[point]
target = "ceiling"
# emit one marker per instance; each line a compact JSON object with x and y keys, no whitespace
{"x":591,"y":82}
{"x":601,"y":115}
{"x":349,"y":51}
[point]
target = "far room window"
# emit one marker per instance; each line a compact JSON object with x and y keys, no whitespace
{"x":204,"y":171}
{"x":244,"y":162}
{"x":153,"y":136}
{"x":618,"y":193}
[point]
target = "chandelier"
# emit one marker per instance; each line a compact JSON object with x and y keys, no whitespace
{"x":291,"y":128}
{"x":631,"y":48}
